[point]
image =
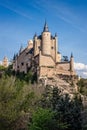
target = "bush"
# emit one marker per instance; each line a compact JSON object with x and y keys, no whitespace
{"x":15,"y":99}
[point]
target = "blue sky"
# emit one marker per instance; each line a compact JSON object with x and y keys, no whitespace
{"x":20,"y":19}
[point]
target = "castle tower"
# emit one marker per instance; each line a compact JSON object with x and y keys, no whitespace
{"x":46,"y":41}
{"x":30,"y":44}
{"x":5,"y":62}
{"x":71,"y":63}
{"x":35,"y":44}
{"x":56,"y":47}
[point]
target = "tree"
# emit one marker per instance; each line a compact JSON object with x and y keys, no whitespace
{"x":55,"y":97}
{"x":43,"y":119}
{"x":76,"y":109}
{"x":15,"y":99}
{"x":70,"y":111}
{"x":66,"y":110}
{"x":45,"y":101}
{"x":2,"y":68}
{"x":65,"y":58}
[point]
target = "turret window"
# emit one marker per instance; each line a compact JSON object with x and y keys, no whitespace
{"x":39,"y":47}
{"x":52,"y":47}
{"x":22,"y":63}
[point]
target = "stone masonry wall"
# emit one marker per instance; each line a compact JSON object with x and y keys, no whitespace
{"x":46,"y":71}
{"x":22,"y":61}
{"x":46,"y":60}
{"x":63,"y":66}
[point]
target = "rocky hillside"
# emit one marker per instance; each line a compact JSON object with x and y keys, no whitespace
{"x":65,"y":84}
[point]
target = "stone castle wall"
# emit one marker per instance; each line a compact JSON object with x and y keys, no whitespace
{"x":37,"y":46}
{"x":63,"y":66}
{"x":23,"y":61}
{"x":46,"y":71}
{"x":53,"y":49}
{"x":46,"y":60}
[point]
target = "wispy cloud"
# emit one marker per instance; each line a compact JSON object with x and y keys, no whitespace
{"x":59,"y":9}
{"x":62,"y":11}
{"x":16,"y":11}
{"x":68,"y":15}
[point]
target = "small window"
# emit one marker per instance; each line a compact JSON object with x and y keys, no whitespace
{"x":52,"y":47}
{"x":38,"y":47}
{"x":22,"y":63}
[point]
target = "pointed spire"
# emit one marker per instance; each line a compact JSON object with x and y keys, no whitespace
{"x":45,"y":27}
{"x":55,"y":34}
{"x":35,"y":35}
{"x":21,"y":49}
{"x":71,"y":55}
{"x":14,"y":57}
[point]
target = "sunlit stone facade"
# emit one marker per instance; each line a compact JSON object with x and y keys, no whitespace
{"x":42,"y":57}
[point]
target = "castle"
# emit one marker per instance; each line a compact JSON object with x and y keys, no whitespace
{"x":42,"y":57}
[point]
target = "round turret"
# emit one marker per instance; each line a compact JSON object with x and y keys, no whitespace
{"x":46,"y":45}
{"x":5,"y":62}
{"x":30,"y":44}
{"x":71,"y":63}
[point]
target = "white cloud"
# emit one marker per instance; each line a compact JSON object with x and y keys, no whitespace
{"x":81,"y":69}
{"x":80,"y":66}
{"x":85,"y":73}
{"x":0,"y":62}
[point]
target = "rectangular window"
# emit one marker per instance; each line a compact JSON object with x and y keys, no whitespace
{"x":22,"y":63}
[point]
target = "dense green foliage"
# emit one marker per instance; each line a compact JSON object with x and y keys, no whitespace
{"x":67,"y":111}
{"x":44,"y":119}
{"x":2,"y":68}
{"x":82,"y":83}
{"x":82,"y":87}
{"x":26,"y":106}
{"x":15,"y":99}
{"x":28,"y":78}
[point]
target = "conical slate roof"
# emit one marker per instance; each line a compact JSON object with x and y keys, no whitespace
{"x":46,"y":29}
{"x":71,"y":55}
